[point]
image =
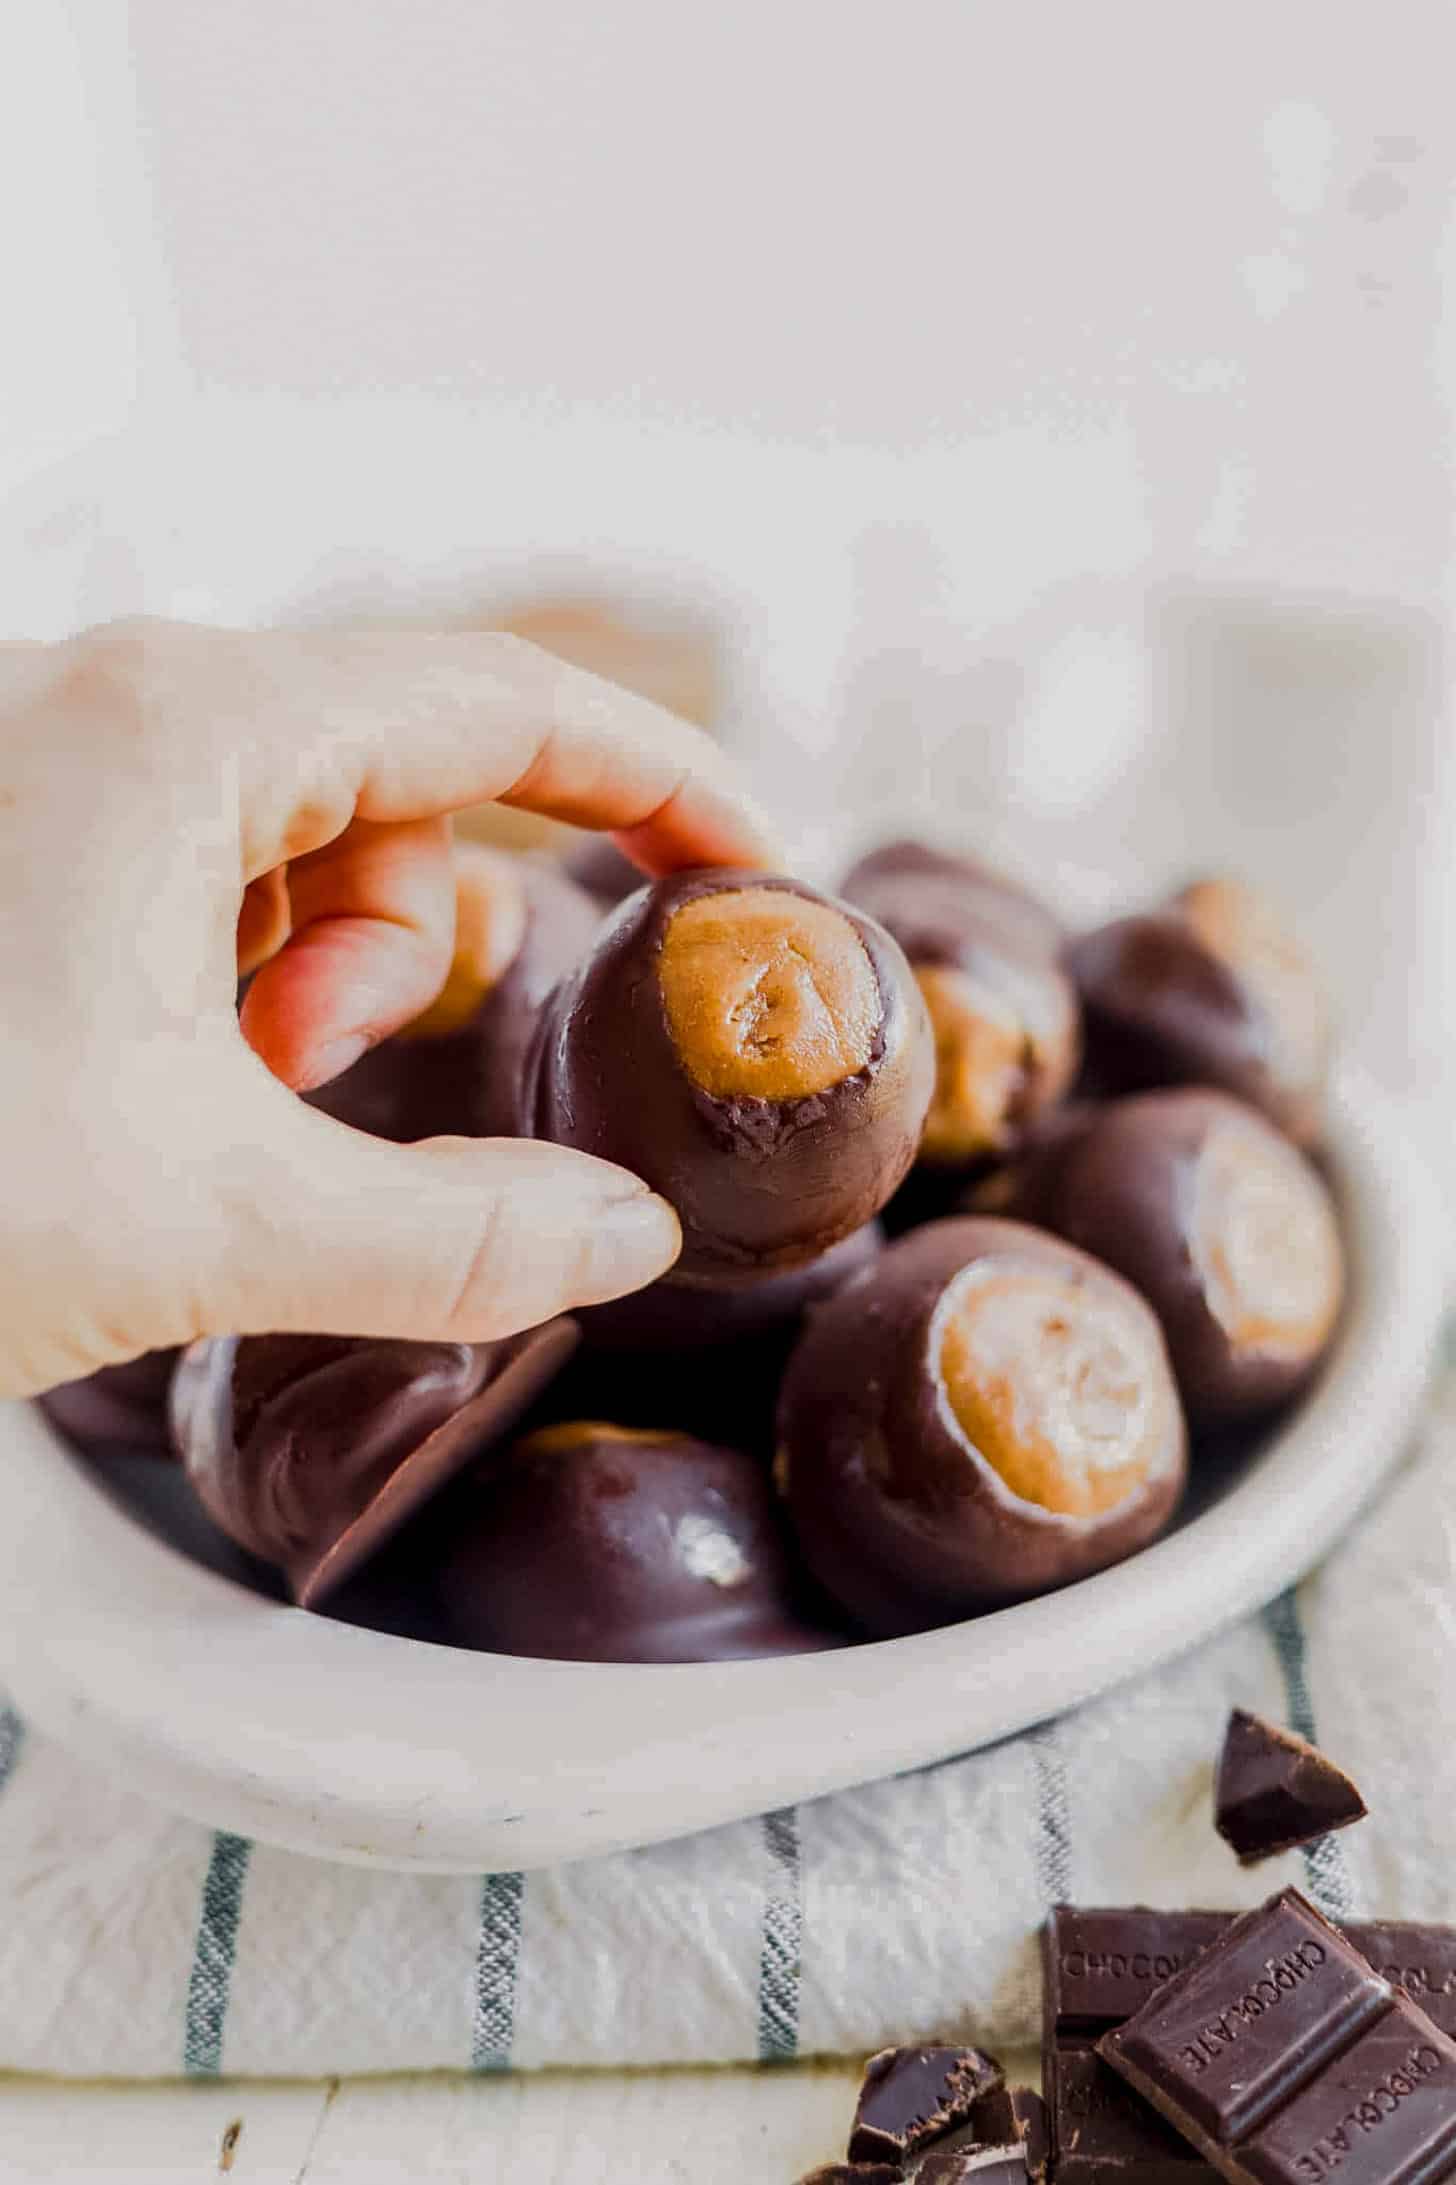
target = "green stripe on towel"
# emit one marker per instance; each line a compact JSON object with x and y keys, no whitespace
{"x":12,"y":1737}
{"x":780,"y":1954}
{"x":497,"y":1956}
{"x":1325,"y":1870}
{"x":213,"y":1954}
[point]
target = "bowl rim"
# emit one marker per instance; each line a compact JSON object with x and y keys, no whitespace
{"x":383,"y":1751}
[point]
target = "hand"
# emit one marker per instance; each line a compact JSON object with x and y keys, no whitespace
{"x":177,"y":804}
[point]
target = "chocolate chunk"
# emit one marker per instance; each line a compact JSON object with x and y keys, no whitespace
{"x":913,"y":2096}
{"x":1275,"y":1790}
{"x":855,"y":2173}
{"x":1103,"y":2133}
{"x":986,"y":2165}
{"x":312,"y":1451}
{"x":1283,"y":2055}
{"x":1101,"y":1965}
{"x":1011,"y":2114}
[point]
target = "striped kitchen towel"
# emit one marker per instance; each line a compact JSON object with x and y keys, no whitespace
{"x":133,"y":1944}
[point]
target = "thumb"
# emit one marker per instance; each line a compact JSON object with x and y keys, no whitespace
{"x":454,"y":1239}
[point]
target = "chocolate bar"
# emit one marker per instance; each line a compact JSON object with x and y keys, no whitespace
{"x":1284,"y":2056}
{"x":1101,"y":1965}
{"x":1103,"y":2134}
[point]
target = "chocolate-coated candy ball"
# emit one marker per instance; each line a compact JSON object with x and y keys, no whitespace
{"x":686,"y":1316}
{"x":117,"y":1407}
{"x":520,"y":926}
{"x":757,"y":1052}
{"x":1005,"y":1016}
{"x":605,"y":872}
{"x":1212,"y":990}
{"x":590,"y":1542}
{"x":916,"y":868}
{"x":1224,"y":1227}
{"x":709,"y":1359}
{"x":986,"y":1414}
{"x":311,"y":1451}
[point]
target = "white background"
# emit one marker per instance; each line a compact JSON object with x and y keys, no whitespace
{"x":1055,"y":400}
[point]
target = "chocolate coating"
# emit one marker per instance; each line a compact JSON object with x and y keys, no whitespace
{"x":589,"y":1542}
{"x":604,"y":871}
{"x":1210,"y":990}
{"x":1226,"y":1230}
{"x":118,"y":1407}
{"x":686,"y":1316}
{"x":311,"y":1451}
{"x":1005,"y":1015}
{"x":920,"y":878}
{"x":441,"y":1078}
{"x":759,"y":1183}
{"x":909,"y":1518}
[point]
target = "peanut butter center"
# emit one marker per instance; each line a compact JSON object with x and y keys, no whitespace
{"x":559,"y":1441}
{"x":980,"y":1065}
{"x":490,"y":925}
{"x":1248,"y":935}
{"x":1265,"y":1244}
{"x":1061,"y":1389}
{"x":768,"y":994}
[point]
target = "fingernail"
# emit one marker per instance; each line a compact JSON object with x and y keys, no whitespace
{"x":631,"y":1242}
{"x":332,"y":1061}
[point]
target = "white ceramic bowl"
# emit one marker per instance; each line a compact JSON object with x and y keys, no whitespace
{"x":352,"y":1745}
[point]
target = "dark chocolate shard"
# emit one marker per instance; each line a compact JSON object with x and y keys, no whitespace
{"x":312,"y":1451}
{"x":913,"y":2096}
{"x":1275,"y":1790}
{"x":983,"y":2165}
{"x":1006,"y":2117}
{"x":520,"y":1370}
{"x":854,"y":2173}
{"x":1284,"y":2056}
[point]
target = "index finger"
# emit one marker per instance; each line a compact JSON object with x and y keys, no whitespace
{"x":388,"y":725}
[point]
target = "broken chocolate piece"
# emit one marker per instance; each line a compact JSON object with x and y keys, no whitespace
{"x":1014,"y":2113}
{"x":311,"y":1451}
{"x":1283,"y":2056}
{"x":985,"y":2165}
{"x":1275,"y":1790}
{"x":913,"y":2096}
{"x":855,"y":2173}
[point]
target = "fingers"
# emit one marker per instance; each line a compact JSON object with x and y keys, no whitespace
{"x":391,"y":725}
{"x":454,"y":1239}
{"x":373,"y":926}
{"x":263,"y":920}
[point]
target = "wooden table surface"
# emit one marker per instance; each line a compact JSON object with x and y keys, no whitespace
{"x":649,"y":2128}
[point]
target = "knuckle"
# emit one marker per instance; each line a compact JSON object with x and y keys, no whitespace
{"x":117,"y":669}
